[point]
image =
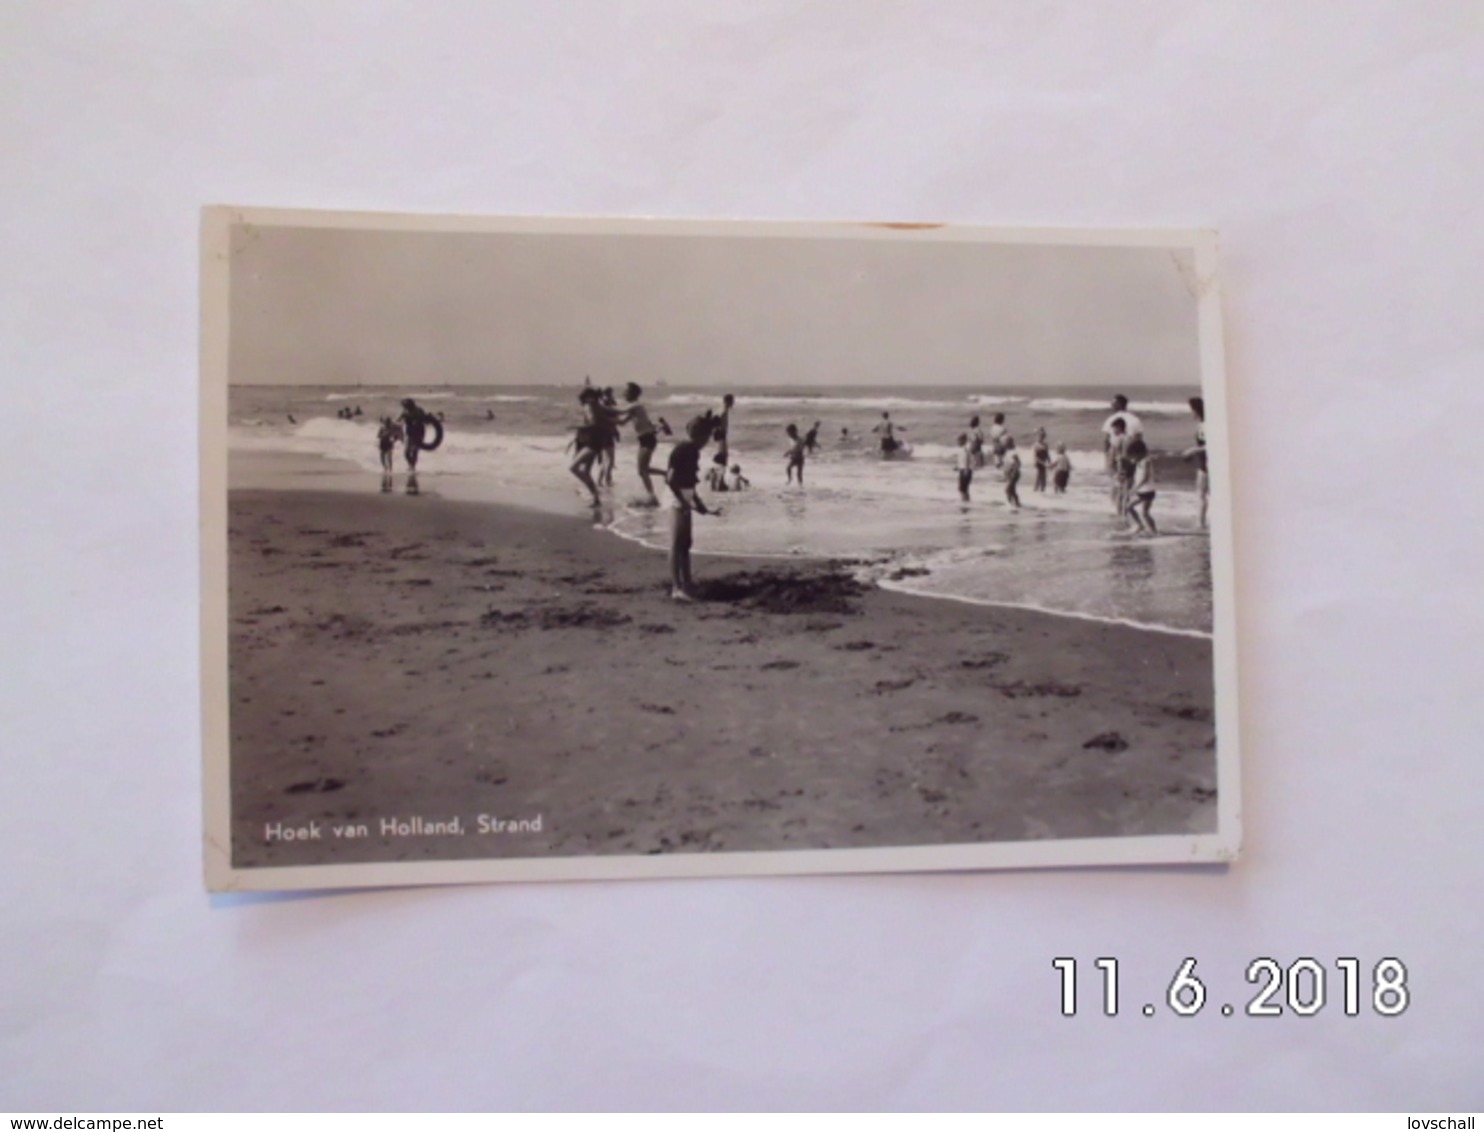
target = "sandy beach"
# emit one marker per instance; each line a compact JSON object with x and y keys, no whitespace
{"x":415,"y":679}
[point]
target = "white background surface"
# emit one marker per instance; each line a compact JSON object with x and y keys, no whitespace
{"x":1339,"y":150}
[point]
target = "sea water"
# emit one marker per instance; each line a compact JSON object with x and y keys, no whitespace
{"x":900,"y":520}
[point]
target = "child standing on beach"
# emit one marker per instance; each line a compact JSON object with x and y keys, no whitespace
{"x":965,"y":465}
{"x":1061,"y":470}
{"x":1141,"y":490}
{"x":1041,"y":454}
{"x":683,"y":475}
{"x":739,"y":481}
{"x":795,"y":454}
{"x":386,"y":439}
{"x":1010,"y":461}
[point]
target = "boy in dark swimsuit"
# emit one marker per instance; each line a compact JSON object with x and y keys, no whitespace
{"x":644,"y":430}
{"x":683,"y":475}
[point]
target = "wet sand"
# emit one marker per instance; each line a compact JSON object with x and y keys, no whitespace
{"x":460,"y":665}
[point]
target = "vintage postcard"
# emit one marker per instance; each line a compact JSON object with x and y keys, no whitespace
{"x":574,"y":549}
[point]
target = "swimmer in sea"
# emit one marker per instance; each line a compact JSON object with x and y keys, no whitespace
{"x":1010,"y":461}
{"x":976,"y":443}
{"x":888,"y":434}
{"x":965,"y":464}
{"x":1061,"y":470}
{"x":795,"y":454}
{"x":1041,"y":457}
{"x":811,"y":439}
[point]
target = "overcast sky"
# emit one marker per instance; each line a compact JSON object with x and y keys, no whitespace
{"x":332,"y":306}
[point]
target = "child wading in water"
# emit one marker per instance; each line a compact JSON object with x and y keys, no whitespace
{"x":795,"y":454}
{"x":999,"y":439}
{"x":965,"y":465}
{"x":1011,"y":464}
{"x":1061,"y":470}
{"x":386,"y":439}
{"x":683,"y":475}
{"x":1141,"y":491}
{"x":1042,"y":458}
{"x":976,"y":444}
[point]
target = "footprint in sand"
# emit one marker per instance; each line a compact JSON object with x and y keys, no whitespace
{"x":884,"y":686}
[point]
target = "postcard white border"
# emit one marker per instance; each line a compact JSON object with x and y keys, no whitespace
{"x":218,"y":222}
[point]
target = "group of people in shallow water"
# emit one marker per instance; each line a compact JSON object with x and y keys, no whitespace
{"x":1129,"y":461}
{"x":1130,"y":465}
{"x":978,"y":449}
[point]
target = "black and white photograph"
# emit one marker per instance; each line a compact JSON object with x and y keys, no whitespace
{"x":749,"y":556}
{"x":545,"y":549}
